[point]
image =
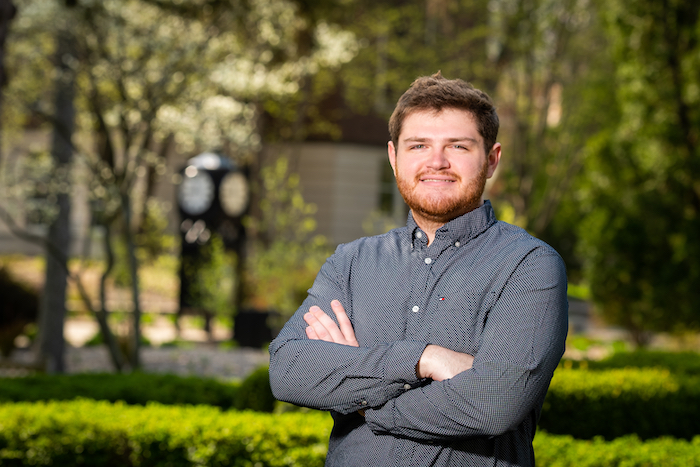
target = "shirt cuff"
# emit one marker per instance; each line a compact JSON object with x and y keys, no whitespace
{"x":400,"y":367}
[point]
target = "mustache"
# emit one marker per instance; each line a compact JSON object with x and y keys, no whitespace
{"x":442,"y":173}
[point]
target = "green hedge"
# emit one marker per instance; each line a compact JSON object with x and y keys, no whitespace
{"x":100,"y":433}
{"x":140,"y":388}
{"x":648,"y":402}
{"x":584,"y":403}
{"x":682,"y":363}
{"x":629,"y":451}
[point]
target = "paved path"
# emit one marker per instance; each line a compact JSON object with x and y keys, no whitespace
{"x":200,"y":360}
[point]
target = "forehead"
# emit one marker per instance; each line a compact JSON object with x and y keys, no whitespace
{"x":445,"y":123}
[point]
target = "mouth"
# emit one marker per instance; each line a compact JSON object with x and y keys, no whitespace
{"x":436,"y":178}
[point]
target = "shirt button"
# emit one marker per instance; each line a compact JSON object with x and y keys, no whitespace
{"x":428,"y":260}
{"x":419,"y":235}
{"x":457,"y":244}
{"x":415,"y":308}
{"x":407,"y":386}
{"x":363,"y":402}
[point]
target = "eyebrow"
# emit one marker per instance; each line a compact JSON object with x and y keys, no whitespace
{"x":419,"y":139}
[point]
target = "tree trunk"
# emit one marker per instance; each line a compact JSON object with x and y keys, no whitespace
{"x":101,"y":314}
{"x":7,"y":12}
{"x":53,"y":304}
{"x":133,"y":269}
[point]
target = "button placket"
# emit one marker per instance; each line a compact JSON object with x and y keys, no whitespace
{"x":419,"y":279}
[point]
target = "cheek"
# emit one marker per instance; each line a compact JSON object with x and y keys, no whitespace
{"x":470,"y":168}
{"x":403,"y":169}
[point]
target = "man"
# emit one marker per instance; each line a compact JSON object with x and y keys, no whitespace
{"x":433,"y":344}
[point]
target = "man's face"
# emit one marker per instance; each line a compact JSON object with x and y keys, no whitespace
{"x":440,"y":164}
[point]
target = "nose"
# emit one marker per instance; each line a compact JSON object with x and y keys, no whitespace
{"x":438,"y":159}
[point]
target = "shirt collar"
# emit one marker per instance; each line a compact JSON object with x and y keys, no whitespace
{"x":462,"y":228}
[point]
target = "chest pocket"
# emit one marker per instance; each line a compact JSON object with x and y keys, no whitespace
{"x":457,"y":317}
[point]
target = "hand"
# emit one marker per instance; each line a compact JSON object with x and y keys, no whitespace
{"x":322,"y":327}
{"x":439,"y":363}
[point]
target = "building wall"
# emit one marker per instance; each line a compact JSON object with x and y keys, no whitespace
{"x":344,"y":182}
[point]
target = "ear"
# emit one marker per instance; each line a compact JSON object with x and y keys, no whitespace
{"x":493,"y":159}
{"x":391,"y":150}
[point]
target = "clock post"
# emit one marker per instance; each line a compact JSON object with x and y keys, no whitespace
{"x":212,"y":197}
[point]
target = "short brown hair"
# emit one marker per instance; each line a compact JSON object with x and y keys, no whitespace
{"x":437,"y":93}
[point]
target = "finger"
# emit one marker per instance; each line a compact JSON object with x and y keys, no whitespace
{"x":328,"y":324}
{"x":344,"y":322}
{"x":311,"y":333}
{"x":319,"y":330}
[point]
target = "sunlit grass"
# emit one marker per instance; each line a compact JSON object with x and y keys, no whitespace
{"x":158,"y":279}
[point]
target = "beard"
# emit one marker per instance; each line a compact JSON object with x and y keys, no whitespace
{"x":443,"y":207}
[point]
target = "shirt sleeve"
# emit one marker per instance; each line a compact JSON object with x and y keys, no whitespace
{"x":328,"y":376}
{"x":522,"y":343}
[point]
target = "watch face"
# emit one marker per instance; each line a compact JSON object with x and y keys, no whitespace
{"x":196,"y":191}
{"x":233,"y":194}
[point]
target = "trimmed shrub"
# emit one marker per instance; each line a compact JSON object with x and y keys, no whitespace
{"x":85,"y":432}
{"x":254,"y":392}
{"x":629,"y":451}
{"x":648,"y":402}
{"x":685,"y":363}
{"x":141,"y":388}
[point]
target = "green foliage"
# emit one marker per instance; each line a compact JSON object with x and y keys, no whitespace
{"x":647,"y":402}
{"x":134,"y":388}
{"x":639,"y":233}
{"x":100,"y":433}
{"x":628,"y":451}
{"x":544,"y":62}
{"x":678,"y":363}
{"x":211,"y":277}
{"x":86,"y":432}
{"x":153,"y":239}
{"x":285,"y":259}
{"x":253,"y":393}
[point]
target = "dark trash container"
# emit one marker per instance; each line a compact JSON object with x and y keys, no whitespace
{"x":251,"y":328}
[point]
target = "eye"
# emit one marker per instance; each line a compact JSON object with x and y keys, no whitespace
{"x":418,"y":146}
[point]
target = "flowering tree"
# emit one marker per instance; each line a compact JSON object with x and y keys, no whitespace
{"x":156,"y":76}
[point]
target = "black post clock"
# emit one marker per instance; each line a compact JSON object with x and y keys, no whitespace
{"x":212,"y":197}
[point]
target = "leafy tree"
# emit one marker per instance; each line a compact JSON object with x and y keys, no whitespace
{"x":144,"y":87}
{"x":286,"y":254}
{"x":640,"y":236}
{"x":536,"y":58}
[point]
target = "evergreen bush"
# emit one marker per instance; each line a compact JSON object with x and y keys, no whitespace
{"x":648,"y":402}
{"x":85,"y":432}
{"x":134,"y":388}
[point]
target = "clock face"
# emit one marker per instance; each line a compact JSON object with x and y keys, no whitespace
{"x":233,"y":194}
{"x":196,"y":191}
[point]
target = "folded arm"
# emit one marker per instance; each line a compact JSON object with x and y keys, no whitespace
{"x":436,"y":363}
{"x":308,"y":371}
{"x":522,"y":343}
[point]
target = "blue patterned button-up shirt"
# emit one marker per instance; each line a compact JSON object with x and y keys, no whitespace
{"x":482,"y":287}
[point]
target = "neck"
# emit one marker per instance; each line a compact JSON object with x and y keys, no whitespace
{"x":430,"y":225}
